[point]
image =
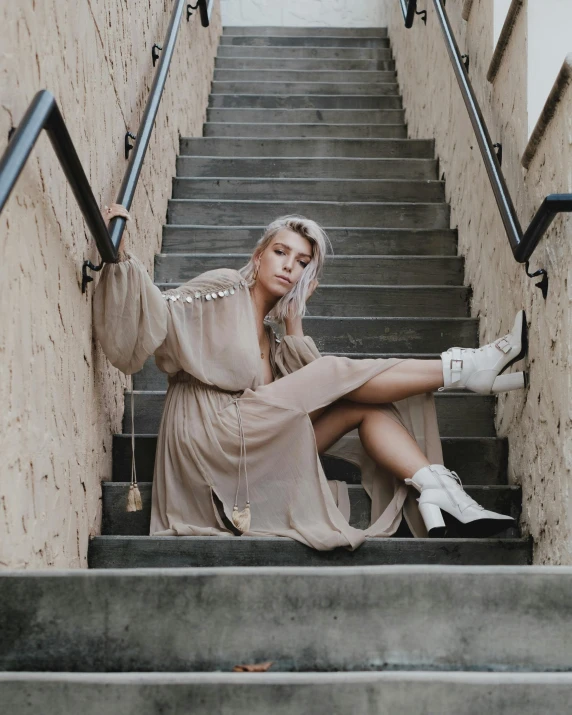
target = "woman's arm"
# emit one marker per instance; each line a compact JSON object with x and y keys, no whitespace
{"x":129,"y":311}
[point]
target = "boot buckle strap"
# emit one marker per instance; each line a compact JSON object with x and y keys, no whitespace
{"x":503,"y":345}
{"x":456,"y":369}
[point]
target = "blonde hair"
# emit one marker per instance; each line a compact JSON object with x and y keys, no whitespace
{"x":294,"y":302}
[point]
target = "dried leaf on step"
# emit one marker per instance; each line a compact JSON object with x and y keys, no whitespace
{"x":253,"y":667}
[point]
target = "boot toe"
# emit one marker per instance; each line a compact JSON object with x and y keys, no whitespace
{"x":487,"y":524}
{"x":499,"y":517}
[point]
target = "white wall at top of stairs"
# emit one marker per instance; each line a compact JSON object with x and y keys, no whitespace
{"x":305,"y":13}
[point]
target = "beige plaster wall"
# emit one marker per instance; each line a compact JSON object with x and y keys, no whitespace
{"x":61,"y":400}
{"x":306,"y":13}
{"x":537,"y":422}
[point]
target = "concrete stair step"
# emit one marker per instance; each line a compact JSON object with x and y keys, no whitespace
{"x":344,"y":214}
{"x":307,"y":148}
{"x":472,"y":618}
{"x":391,"y":301}
{"x":312,"y":88}
{"x":305,"y":101}
{"x":355,"y":241}
{"x":305,"y":64}
{"x":171,"y":269}
{"x":328,"y":117}
{"x":306,"y":53}
{"x":446,"y":693}
{"x":116,"y":521}
{"x":132,"y":552}
{"x":343,"y":131}
{"x":284,"y":41}
{"x":277,"y":31}
{"x":306,"y":168}
{"x":459,"y":414}
{"x":291,"y":75}
{"x":363,"y":190}
{"x":478,"y":460}
{"x":391,"y":334}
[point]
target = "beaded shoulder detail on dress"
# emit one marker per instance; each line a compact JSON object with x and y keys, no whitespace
{"x":189,"y":295}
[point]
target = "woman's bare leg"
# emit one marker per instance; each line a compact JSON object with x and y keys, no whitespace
{"x":407,"y":378}
{"x":387,"y":442}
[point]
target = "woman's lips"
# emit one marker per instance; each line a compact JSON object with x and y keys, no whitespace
{"x":284,"y":280}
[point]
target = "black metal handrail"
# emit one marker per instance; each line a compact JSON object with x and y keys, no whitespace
{"x":409,"y":10}
{"x":522,"y":243}
{"x":44,"y":113}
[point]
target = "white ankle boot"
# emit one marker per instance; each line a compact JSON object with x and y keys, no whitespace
{"x":479,"y":370}
{"x":442,"y":491}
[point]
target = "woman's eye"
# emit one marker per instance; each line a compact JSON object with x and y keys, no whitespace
{"x":303,"y":264}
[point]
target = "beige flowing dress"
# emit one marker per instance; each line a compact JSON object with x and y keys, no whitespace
{"x":203,"y":335}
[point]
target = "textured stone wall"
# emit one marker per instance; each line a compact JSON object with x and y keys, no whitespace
{"x":61,"y":400}
{"x":537,"y":422}
{"x":306,"y":13}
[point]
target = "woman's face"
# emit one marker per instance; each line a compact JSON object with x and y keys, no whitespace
{"x":281,"y":264}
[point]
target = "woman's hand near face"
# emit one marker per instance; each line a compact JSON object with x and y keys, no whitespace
{"x":312,"y":287}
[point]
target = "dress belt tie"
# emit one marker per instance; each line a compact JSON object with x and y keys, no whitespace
{"x":241,"y":519}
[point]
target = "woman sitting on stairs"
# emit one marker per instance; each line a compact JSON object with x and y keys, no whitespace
{"x":247,"y":413}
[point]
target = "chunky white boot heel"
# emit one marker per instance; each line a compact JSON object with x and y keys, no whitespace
{"x":510,"y":381}
{"x":444,"y":499}
{"x":433,"y":519}
{"x":478,"y":369}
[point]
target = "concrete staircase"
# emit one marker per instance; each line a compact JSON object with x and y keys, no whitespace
{"x":307,"y":121}
{"x":312,"y":123}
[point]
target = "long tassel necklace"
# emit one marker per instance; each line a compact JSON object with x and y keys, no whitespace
{"x":134,"y":495}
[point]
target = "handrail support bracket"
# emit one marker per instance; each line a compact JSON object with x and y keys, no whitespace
{"x":155,"y":53}
{"x":128,"y":146}
{"x":85,"y":278}
{"x":543,"y":282}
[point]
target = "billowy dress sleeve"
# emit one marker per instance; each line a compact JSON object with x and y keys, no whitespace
{"x":129,"y":314}
{"x":205,"y":327}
